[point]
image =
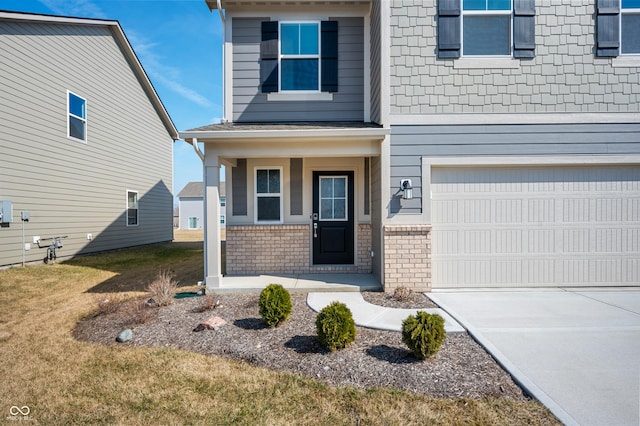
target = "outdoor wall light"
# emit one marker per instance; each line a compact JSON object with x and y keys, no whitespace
{"x":406,"y":188}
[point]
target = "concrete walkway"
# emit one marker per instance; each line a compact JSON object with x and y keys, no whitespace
{"x":576,"y":350}
{"x":302,"y":282}
{"x":368,"y":315}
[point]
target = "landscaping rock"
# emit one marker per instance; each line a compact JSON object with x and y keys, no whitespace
{"x":212,"y":323}
{"x":124,"y":336}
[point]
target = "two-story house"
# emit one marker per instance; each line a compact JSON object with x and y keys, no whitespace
{"x":86,"y":145}
{"x":432,"y":143}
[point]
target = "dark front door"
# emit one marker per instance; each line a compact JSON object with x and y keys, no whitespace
{"x":332,"y":218}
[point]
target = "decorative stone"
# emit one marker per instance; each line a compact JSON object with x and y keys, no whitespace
{"x":124,"y":336}
{"x":213,"y":323}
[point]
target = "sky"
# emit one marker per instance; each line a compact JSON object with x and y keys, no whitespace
{"x":179,"y":43}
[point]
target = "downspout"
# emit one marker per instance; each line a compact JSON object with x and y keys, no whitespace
{"x":194,"y":142}
{"x":220,"y":11}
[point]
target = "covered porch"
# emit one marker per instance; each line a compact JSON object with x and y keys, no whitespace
{"x":303,"y":205}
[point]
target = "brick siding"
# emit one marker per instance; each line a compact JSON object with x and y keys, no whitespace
{"x":285,"y":249}
{"x":407,"y":263}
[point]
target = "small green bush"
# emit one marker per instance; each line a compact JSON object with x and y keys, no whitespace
{"x":275,"y":304}
{"x":335,"y":326}
{"x":423,"y":333}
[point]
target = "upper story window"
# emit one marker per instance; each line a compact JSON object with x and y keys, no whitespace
{"x":299,"y":56}
{"x":223,"y":201}
{"x":77,"y":117}
{"x":486,"y":27}
{"x":630,"y":27}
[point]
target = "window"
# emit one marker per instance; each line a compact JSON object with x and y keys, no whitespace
{"x":630,"y":27}
{"x":333,"y":198}
{"x":132,"y":208}
{"x":222,"y":219}
{"x":299,"y":56}
{"x":77,"y":117}
{"x":268,"y":205}
{"x":223,"y":201}
{"x":193,"y":223}
{"x":486,"y":27}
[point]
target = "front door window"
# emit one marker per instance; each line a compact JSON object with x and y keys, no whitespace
{"x":333,"y":198}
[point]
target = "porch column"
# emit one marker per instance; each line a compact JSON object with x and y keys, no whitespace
{"x":213,"y":263}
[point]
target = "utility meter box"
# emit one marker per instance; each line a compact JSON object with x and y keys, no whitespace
{"x":6,"y":211}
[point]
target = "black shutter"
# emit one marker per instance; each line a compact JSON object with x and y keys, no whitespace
{"x":608,"y":27}
{"x":269,"y":57}
{"x":329,"y":56}
{"x":524,"y":28}
{"x":448,"y":28}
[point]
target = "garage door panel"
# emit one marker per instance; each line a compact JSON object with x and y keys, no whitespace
{"x":537,"y":226}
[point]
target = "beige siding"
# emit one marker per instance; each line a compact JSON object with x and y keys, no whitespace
{"x":72,"y":188}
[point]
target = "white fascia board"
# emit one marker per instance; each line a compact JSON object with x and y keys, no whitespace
{"x":508,"y":118}
{"x":533,"y":160}
{"x":21,"y":16}
{"x":253,"y":135}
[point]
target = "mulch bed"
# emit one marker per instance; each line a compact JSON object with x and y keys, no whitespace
{"x":377,"y":358}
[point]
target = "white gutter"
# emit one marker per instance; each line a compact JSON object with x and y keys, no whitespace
{"x":316,"y":133}
{"x":194,"y":142}
{"x":220,"y":11}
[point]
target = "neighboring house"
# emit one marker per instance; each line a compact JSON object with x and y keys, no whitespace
{"x":435,"y":143}
{"x":191,"y":200}
{"x":86,"y":142}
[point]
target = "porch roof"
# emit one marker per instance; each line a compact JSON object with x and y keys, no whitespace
{"x":301,"y":130}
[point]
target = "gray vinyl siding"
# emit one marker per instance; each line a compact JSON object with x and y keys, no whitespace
{"x":74,"y":188}
{"x":375,"y":61}
{"x":251,"y":105}
{"x":410,"y":143}
{"x":564,"y":76}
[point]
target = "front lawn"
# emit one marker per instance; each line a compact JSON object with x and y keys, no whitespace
{"x":64,"y":381}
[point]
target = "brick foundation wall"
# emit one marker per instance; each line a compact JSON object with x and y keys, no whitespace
{"x":364,"y":247}
{"x":273,"y":249}
{"x":284,"y":249}
{"x":407,"y":262}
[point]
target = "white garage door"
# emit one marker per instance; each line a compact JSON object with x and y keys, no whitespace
{"x":535,"y":226}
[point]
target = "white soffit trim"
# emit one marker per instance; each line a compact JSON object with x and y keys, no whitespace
{"x":293,"y":134}
{"x":540,"y":118}
{"x":533,"y":160}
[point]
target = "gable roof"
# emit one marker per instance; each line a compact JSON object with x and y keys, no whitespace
{"x":196,"y":190}
{"x":120,"y":37}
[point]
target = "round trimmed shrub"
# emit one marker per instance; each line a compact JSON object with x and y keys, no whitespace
{"x":335,"y":326}
{"x":275,"y":304}
{"x":423,"y":333}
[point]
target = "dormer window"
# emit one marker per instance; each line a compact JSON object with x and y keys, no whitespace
{"x":299,"y":56}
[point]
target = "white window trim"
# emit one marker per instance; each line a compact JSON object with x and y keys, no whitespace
{"x":293,"y":96}
{"x":631,"y":11}
{"x":271,"y":194}
{"x":281,"y":57}
{"x":127,"y":208}
{"x":84,"y":120}
{"x":464,"y":13}
{"x":346,"y":198}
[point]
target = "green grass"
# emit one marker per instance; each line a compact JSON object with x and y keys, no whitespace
{"x":64,"y":381}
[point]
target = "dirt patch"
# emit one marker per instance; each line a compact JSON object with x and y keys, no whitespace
{"x":378,"y":358}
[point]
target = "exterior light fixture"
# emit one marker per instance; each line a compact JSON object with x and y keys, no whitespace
{"x":406,"y":188}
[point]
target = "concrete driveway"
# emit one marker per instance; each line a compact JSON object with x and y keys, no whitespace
{"x":576,"y":350}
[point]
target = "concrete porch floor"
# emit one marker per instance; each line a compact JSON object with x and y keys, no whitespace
{"x":300,"y":283}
